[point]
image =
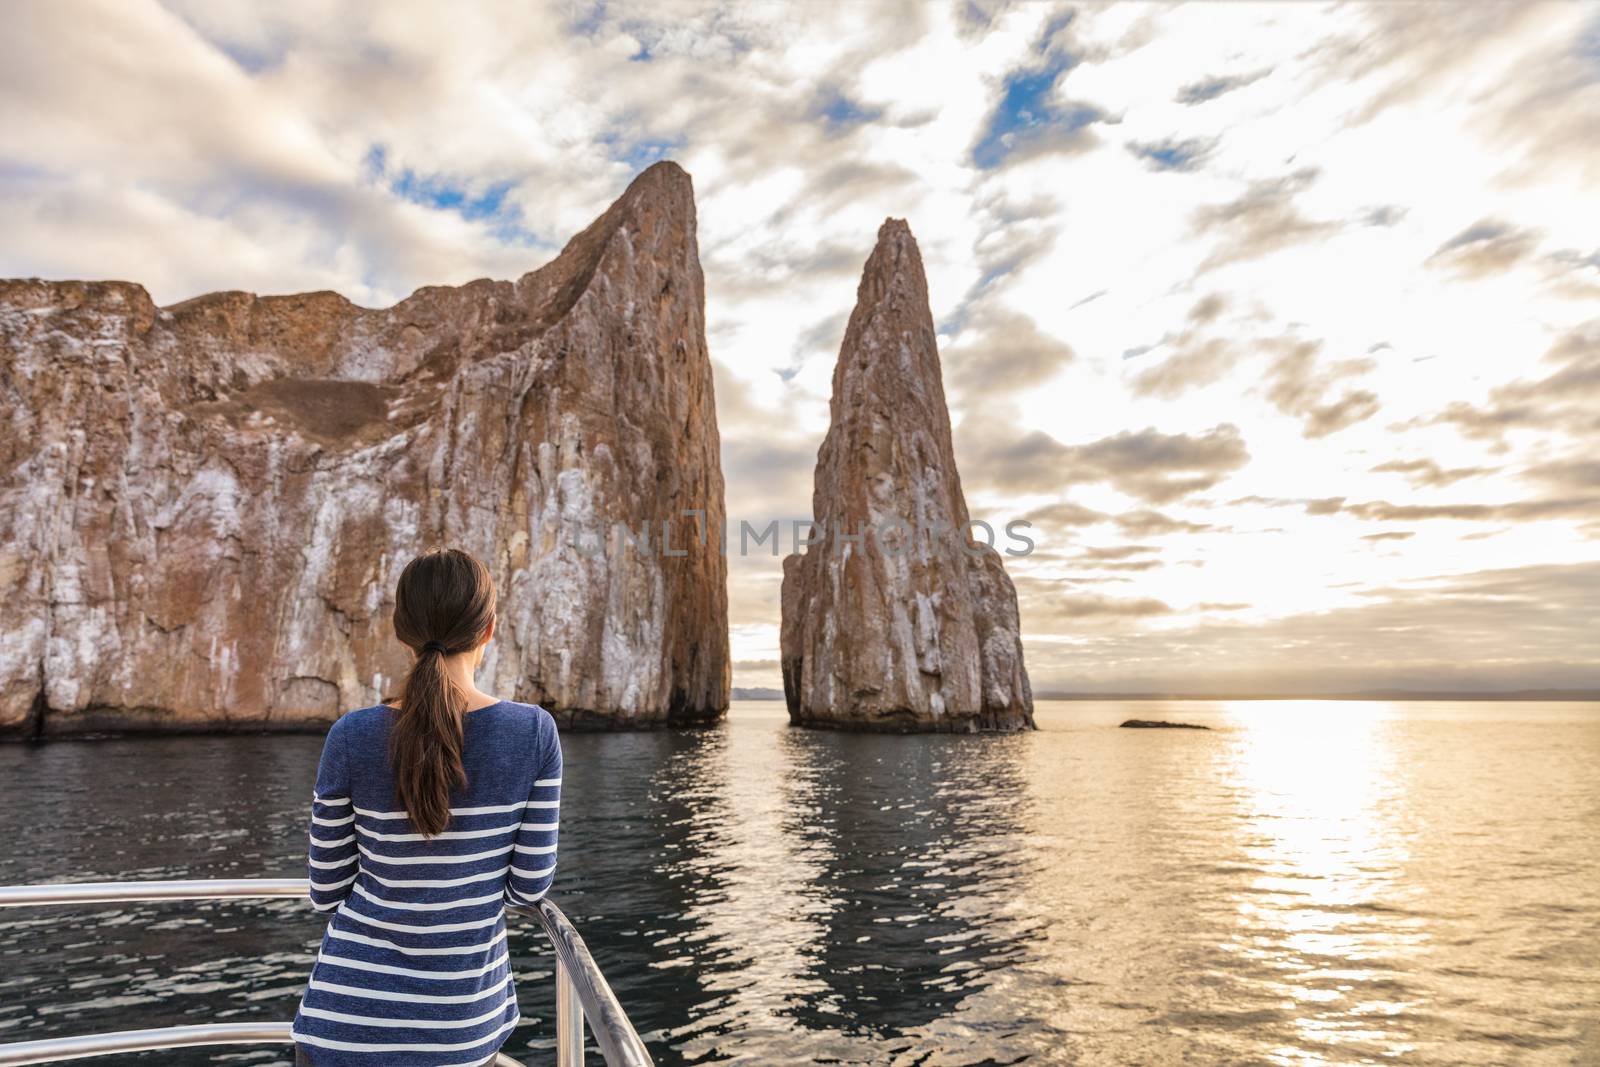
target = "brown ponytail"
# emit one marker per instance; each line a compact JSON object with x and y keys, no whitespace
{"x":443,"y":605}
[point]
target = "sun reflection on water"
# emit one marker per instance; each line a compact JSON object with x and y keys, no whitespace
{"x":1329,"y":912}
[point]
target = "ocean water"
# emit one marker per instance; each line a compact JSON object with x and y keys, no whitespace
{"x":1306,"y":883}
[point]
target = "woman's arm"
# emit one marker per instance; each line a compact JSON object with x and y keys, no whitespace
{"x":533,"y":855}
{"x":332,"y":853}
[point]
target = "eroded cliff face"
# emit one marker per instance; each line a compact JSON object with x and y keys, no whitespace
{"x":913,"y":625}
{"x":204,"y":508}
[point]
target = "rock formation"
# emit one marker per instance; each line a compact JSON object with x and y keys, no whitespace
{"x":906,"y":622}
{"x":204,"y":507}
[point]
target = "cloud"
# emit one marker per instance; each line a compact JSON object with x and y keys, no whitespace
{"x":1078,"y":606}
{"x":1147,"y":464}
{"x":1194,"y":362}
{"x":1351,"y":408}
{"x":1499,"y":628}
{"x":774,"y":268}
{"x":1428,"y":473}
{"x":772,"y":477}
{"x":1485,"y":248}
{"x":1128,"y":565}
{"x":1172,"y":153}
{"x":1572,"y":274}
{"x":1115,"y":552}
{"x":1546,"y":107}
{"x":1329,"y":505}
{"x":202,"y":177}
{"x":1062,"y":610}
{"x":1260,"y":221}
{"x":1416,"y":48}
{"x":1000,"y":352}
{"x":1298,"y":384}
{"x":1566,"y":399}
{"x":1581,"y":506}
{"x":838,"y":113}
{"x":1013,"y":234}
{"x":1147,"y":523}
{"x":845,"y":181}
{"x":1143,"y":522}
{"x":767,"y":465}
{"x":1159,"y":467}
{"x":1208,"y":308}
{"x":1568,"y":475}
{"x":1064,"y":513}
{"x":1578,"y":504}
{"x":1198,"y":92}
{"x":1194,"y":358}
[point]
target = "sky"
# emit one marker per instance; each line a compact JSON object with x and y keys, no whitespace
{"x":1280,"y":322}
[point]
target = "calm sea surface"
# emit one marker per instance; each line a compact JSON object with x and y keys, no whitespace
{"x":1307,"y":883}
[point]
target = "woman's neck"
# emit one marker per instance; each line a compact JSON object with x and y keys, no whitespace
{"x":459,"y":669}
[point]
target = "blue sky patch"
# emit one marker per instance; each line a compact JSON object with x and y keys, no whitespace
{"x":440,"y":193}
{"x":587,"y":22}
{"x":1172,"y":154}
{"x":638,"y":154}
{"x":1027,"y":113}
{"x":839,"y":113}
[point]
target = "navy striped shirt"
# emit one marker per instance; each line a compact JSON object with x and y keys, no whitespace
{"x":414,"y":969}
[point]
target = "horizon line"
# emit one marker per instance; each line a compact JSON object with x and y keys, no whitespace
{"x":1578,"y":695}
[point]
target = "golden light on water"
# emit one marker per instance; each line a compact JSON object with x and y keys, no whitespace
{"x":1312,"y":786}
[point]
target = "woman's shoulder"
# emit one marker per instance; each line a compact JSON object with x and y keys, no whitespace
{"x":359,"y":719}
{"x":523,"y":728}
{"x":541,"y":720}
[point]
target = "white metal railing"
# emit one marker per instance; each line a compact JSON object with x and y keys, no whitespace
{"x":55,"y":1050}
{"x":581,"y":990}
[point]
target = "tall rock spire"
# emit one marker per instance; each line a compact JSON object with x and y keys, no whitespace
{"x":204,"y":508}
{"x":896,"y":619}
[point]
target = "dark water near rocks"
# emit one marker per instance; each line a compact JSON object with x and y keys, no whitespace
{"x":1307,"y":883}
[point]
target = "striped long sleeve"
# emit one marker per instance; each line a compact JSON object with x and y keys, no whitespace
{"x":533,"y":852}
{"x":332,"y":854}
{"x":414,"y":969}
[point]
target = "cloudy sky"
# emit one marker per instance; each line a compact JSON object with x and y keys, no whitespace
{"x":1281,"y":322}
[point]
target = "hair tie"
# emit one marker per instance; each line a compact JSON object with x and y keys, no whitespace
{"x":434,"y":646}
